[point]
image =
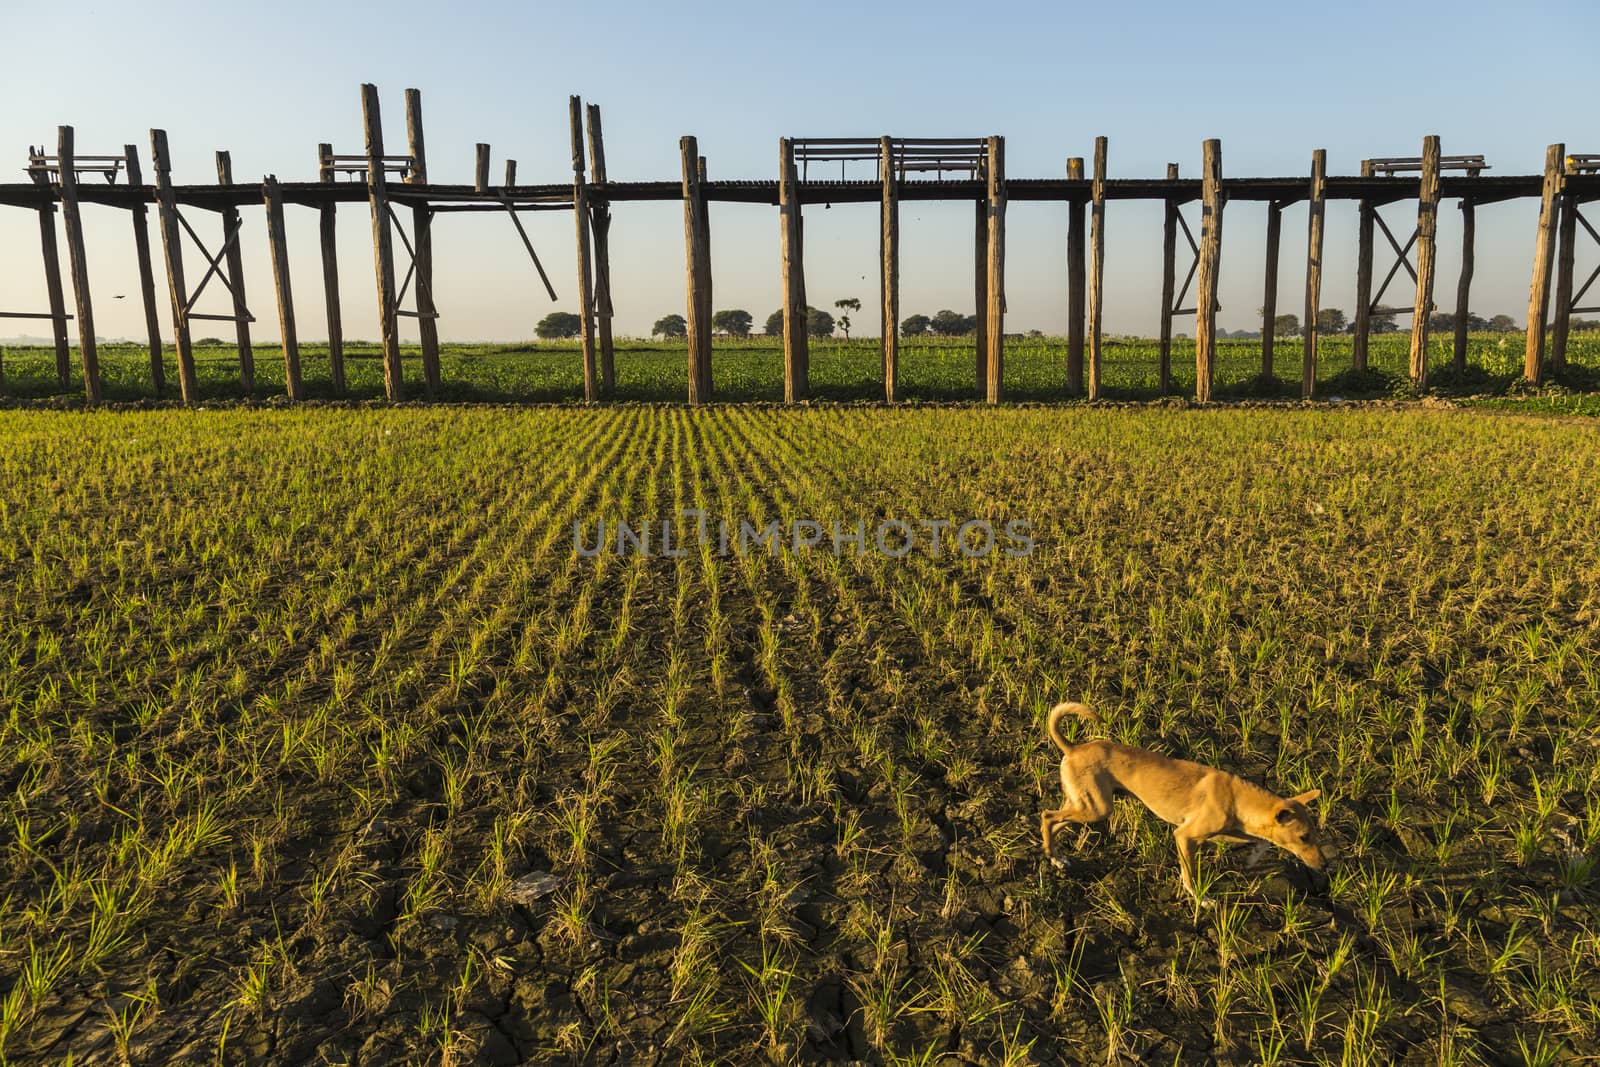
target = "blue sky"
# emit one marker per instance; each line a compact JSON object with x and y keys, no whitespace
{"x":1273,"y":81}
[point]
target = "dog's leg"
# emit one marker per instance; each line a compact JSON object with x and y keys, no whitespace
{"x":1188,"y":846}
{"x":1095,"y":808}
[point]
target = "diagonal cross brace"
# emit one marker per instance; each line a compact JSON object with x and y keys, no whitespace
{"x":1194,"y":246}
{"x":1578,"y":296}
{"x":1402,"y":259}
{"x":422,"y":283}
{"x":214,"y":261}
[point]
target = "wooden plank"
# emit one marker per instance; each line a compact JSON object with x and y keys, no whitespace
{"x":278,"y":244}
{"x":147,"y":281}
{"x":889,"y":267}
{"x":1097,"y":263}
{"x":422,"y":242}
{"x":697,"y":271}
{"x":996,"y":335}
{"x":580,"y":216}
{"x":1567,"y":240}
{"x":1317,"y":203}
{"x":1269,"y":295}
{"x":796,"y":352}
{"x":980,"y":297}
{"x":1210,"y":261}
{"x":382,"y":244}
{"x":234,"y":259}
{"x":600,"y":220}
{"x":480,"y":171}
{"x":72,"y":223}
{"x":1365,"y":214}
{"x":1427,"y":228}
{"x":1169,"y":280}
{"x":172,"y":247}
{"x":1543,"y":257}
{"x":328,"y":224}
{"x":1464,"y":284}
{"x":1075,"y":282}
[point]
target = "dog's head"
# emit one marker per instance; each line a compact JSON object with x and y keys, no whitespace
{"x":1294,"y":829}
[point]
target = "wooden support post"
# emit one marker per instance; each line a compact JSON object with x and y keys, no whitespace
{"x":1427,"y":228}
{"x":172,"y":247}
{"x":232,"y":224}
{"x":1075,"y":283}
{"x":147,"y":279}
{"x":511,"y":173}
{"x":706,"y":314}
{"x":1543,"y":257}
{"x":1169,"y":280}
{"x":422,"y":246}
{"x":328,"y":221}
{"x":796,"y":354}
{"x":1317,"y":204}
{"x":980,"y":297}
{"x":1363,"y":322}
{"x":1269,"y":295}
{"x":1097,"y":264}
{"x":889,"y":261}
{"x":480,"y":173}
{"x":698,"y":270}
{"x":580,"y":215}
{"x":996,"y":335}
{"x":382,"y":244}
{"x":52,"y":282}
{"x":600,"y":221}
{"x":1464,"y":284}
{"x":1205,"y":307}
{"x":72,"y":221}
{"x":1568,"y":230}
{"x":278,"y":243}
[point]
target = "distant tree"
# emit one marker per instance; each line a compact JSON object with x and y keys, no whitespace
{"x":846,"y":306}
{"x":915,"y":325}
{"x":735,"y":323}
{"x":1583,"y":324}
{"x":1382,"y":324}
{"x":558,"y":324}
{"x":818,"y":323}
{"x":775,"y":324}
{"x":949,"y":324}
{"x":1286,"y":326}
{"x":1441,"y":321}
{"x":670,"y":326}
{"x":209,"y":342}
{"x":1503,"y":324}
{"x":1330,"y":320}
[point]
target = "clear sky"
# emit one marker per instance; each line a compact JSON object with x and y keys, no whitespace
{"x":1273,"y":81}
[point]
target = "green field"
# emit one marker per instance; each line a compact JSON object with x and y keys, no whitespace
{"x":931,"y":369}
{"x":321,"y":742}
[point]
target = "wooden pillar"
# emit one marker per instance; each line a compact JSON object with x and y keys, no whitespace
{"x":147,"y":278}
{"x":480,"y":171}
{"x":796,"y":353}
{"x":52,"y":282}
{"x":1269,"y":295}
{"x":705,"y":289}
{"x":511,"y":173}
{"x":1097,"y":264}
{"x":172,"y":247}
{"x":1427,"y":228}
{"x":1317,"y":205}
{"x":1568,"y":231}
{"x":698,"y":270}
{"x":1205,"y":306}
{"x":1363,"y":321}
{"x":327,"y":218}
{"x":600,"y":221}
{"x":1169,"y":281}
{"x":1543,"y":257}
{"x":1075,"y":283}
{"x":277,"y":242}
{"x":1464,"y":284}
{"x":422,"y":246}
{"x":72,"y":220}
{"x":889,"y":260}
{"x":382,"y":244}
{"x":232,"y":224}
{"x":980,"y":297}
{"x":580,"y":214}
{"x":995,"y":335}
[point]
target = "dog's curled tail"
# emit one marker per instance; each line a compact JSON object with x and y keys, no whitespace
{"x":1067,"y":708}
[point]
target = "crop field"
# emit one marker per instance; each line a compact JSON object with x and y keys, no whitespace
{"x":327,"y":737}
{"x":931,"y":369}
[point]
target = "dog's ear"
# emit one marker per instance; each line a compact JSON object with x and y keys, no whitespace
{"x":1286,"y":815}
{"x":1308,"y":796}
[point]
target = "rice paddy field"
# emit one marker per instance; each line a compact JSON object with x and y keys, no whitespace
{"x":338,"y":735}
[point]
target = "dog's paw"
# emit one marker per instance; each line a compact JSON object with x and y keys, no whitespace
{"x":1058,"y":863}
{"x":1206,"y":902}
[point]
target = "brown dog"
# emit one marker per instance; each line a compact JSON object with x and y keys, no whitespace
{"x":1202,"y":802}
